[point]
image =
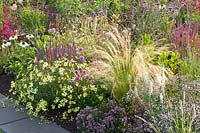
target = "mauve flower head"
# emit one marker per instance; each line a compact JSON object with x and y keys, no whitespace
{"x":81,"y":58}
{"x":52,"y":30}
{"x":72,"y":82}
{"x":80,"y":69}
{"x":92,"y":81}
{"x":76,"y":71}
{"x":5,"y":11}
{"x":80,"y":49}
{"x":97,"y":120}
{"x":93,"y":14}
{"x":94,"y":62}
{"x":78,"y":78}
{"x":58,"y":33}
{"x":87,"y":76}
{"x":101,"y":13}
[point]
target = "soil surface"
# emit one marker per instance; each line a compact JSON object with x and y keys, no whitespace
{"x":5,"y":82}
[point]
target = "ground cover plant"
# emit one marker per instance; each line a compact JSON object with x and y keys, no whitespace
{"x":103,"y":66}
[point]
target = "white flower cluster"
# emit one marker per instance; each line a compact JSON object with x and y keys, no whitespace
{"x":13,"y":38}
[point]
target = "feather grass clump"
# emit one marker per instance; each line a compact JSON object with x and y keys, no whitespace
{"x":119,"y":62}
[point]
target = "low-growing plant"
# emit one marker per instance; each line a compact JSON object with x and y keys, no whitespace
{"x":170,"y":60}
{"x":177,"y":110}
{"x":176,"y":120}
{"x":65,"y":86}
{"x":110,"y":118}
{"x":180,"y":118}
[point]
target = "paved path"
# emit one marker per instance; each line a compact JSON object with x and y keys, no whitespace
{"x":18,"y":122}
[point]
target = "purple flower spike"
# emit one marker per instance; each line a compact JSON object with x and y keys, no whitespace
{"x":39,"y":53}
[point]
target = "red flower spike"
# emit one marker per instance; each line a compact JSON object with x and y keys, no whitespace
{"x":7,"y":30}
{"x":197,"y":5}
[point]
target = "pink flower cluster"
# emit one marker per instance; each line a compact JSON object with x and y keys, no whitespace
{"x":7,"y":30}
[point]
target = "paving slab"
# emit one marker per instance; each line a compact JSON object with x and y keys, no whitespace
{"x":8,"y":113}
{"x":19,"y":122}
{"x":32,"y":126}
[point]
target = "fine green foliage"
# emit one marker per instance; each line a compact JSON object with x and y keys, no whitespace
{"x":20,"y":59}
{"x":184,"y":122}
{"x":62,"y":85}
{"x":33,"y":21}
{"x":190,"y":65}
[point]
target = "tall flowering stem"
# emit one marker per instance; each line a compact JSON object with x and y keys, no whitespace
{"x":53,"y":52}
{"x":184,"y":36}
{"x":7,"y":30}
{"x":197,"y":6}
